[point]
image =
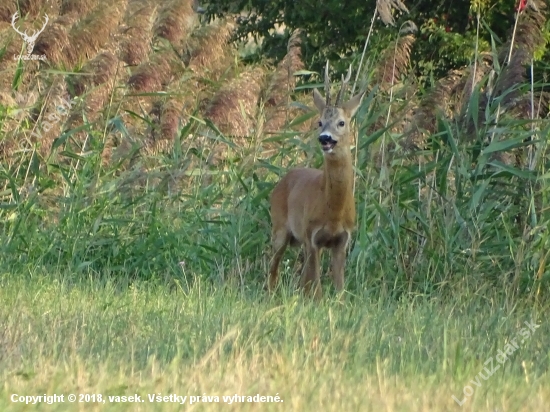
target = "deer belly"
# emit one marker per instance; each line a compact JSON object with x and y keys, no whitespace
{"x":323,"y":238}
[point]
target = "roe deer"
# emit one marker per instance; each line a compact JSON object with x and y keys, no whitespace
{"x":316,"y":207}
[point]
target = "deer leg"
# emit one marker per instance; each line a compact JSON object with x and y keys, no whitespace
{"x":338,"y":262}
{"x":311,"y":278}
{"x":280,"y":242}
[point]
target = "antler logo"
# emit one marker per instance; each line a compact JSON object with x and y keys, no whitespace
{"x":30,"y":39}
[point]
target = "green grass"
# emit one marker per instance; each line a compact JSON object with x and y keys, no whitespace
{"x":62,"y":335}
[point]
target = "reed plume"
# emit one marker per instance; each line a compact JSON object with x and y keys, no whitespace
{"x":234,"y":105}
{"x":281,"y":86}
{"x":208,"y":49}
{"x":175,"y":21}
{"x":137,"y":31}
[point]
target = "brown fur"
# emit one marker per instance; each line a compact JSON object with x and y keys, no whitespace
{"x":316,"y":207}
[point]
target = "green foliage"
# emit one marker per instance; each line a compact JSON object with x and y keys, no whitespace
{"x":337,"y":31}
{"x":439,"y":49}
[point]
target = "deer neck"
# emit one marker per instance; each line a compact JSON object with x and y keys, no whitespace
{"x":338,"y":181}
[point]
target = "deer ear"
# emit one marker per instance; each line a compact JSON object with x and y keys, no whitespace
{"x":318,"y":100}
{"x":351,"y":106}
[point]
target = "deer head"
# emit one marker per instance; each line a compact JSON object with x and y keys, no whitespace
{"x":334,"y":123}
{"x":28,"y":38}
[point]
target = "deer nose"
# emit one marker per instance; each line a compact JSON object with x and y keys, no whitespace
{"x":325,"y":138}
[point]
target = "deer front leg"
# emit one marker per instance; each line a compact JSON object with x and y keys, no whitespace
{"x":338,"y":262}
{"x":311,"y":278}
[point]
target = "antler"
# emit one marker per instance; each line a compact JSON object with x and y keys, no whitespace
{"x":343,"y":88}
{"x":327,"y":85}
{"x":35,"y":33}
{"x":13,"y":18}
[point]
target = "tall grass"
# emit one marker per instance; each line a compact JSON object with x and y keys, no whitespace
{"x":454,"y":212}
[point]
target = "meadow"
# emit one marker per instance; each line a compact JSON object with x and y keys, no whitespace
{"x":63,"y":335}
{"x":135,"y":170}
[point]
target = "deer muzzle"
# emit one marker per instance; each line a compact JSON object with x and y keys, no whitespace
{"x":327,"y":142}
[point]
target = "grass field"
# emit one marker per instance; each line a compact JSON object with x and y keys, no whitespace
{"x":371,"y":353}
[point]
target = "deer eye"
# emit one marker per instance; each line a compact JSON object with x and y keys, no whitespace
{"x":341,"y":123}
{"x":320,"y":124}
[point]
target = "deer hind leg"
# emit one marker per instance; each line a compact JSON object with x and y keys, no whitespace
{"x":338,"y":261}
{"x":281,"y":238}
{"x":311,"y":278}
